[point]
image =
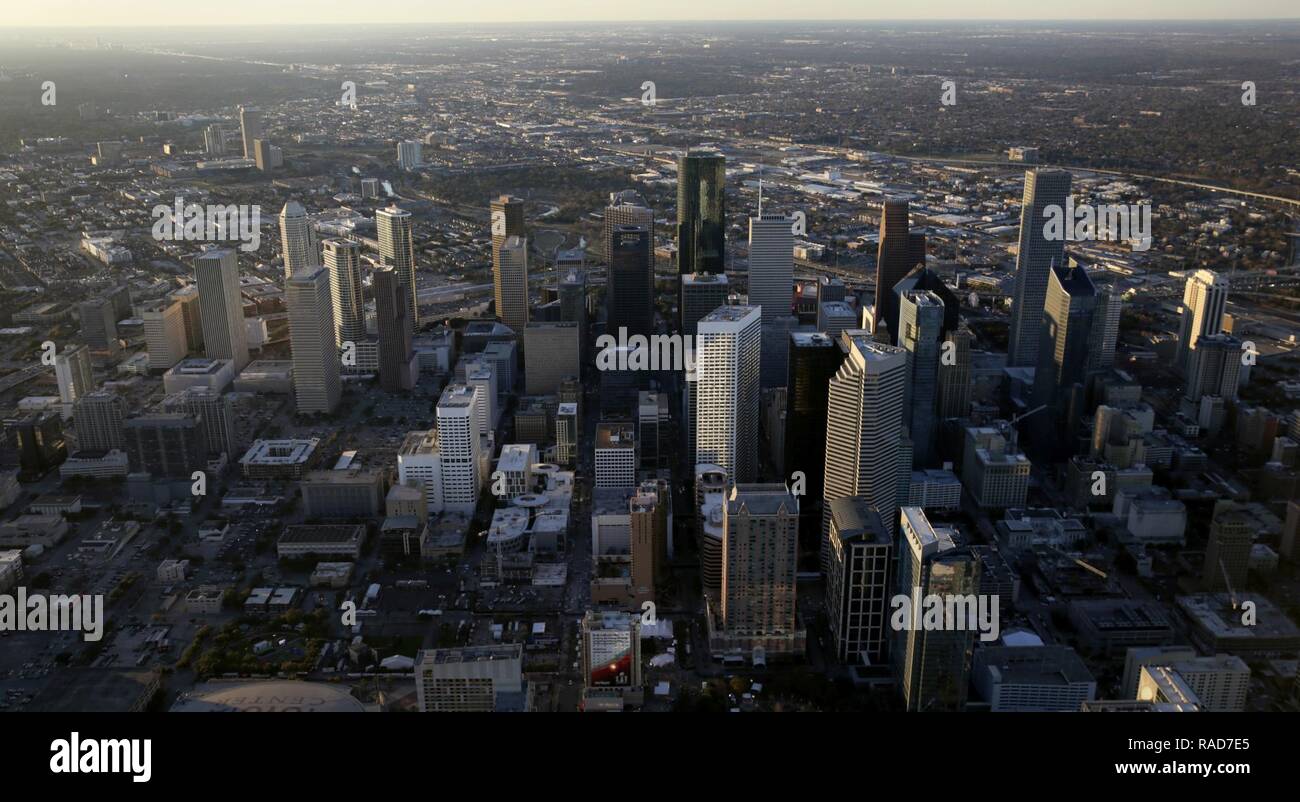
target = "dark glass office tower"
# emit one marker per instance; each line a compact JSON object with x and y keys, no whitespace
{"x":394,"y":332}
{"x":814,"y":359}
{"x":701,"y":219}
{"x":1036,"y":256}
{"x":922,"y":279}
{"x":899,"y":253}
{"x":629,"y":295}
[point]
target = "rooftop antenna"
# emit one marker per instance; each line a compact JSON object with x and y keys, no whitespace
{"x":760,"y":191}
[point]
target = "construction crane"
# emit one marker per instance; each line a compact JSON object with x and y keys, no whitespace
{"x":1013,"y":435}
{"x":1232,"y":593}
{"x":1079,"y":561}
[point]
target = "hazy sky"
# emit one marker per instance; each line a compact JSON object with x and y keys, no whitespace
{"x":63,"y":13}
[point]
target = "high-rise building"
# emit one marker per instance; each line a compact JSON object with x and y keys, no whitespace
{"x":408,"y":154}
{"x":473,"y":679}
{"x":899,"y":252}
{"x":857,"y":584}
{"x":551,"y":355}
{"x":38,"y":439}
{"x":98,"y":419}
{"x":393,"y":315}
{"x":166,"y":445}
{"x":164,"y":333}
{"x":566,"y":433}
{"x":297,"y":239}
{"x":1214,"y":368}
{"x":814,"y":359}
{"x":459,"y":448}
{"x":316,"y":383}
{"x":1205,"y":297}
{"x":215,"y":411}
{"x":343,"y":261}
{"x":397,"y":248}
{"x":727,"y":354}
{"x":73,"y":372}
{"x":573,"y":299}
{"x":648,"y":513}
{"x":250,"y":129}
{"x":611,"y":650}
{"x":615,"y":455}
{"x":1068,"y":317}
{"x":701,"y":212}
{"x":191,"y":315}
{"x":1227,"y":556}
{"x":629,"y":289}
{"x":955,"y":375}
{"x":222,"y":307}
{"x":99,"y":323}
{"x":771,"y":264}
{"x":628,"y":208}
{"x":920,"y":327}
{"x":701,"y":294}
{"x":510,"y":277}
{"x":1105,"y":327}
{"x":864,"y":426}
{"x":1034,"y":260}
{"x":932,"y":665}
{"x":759,"y":562}
{"x":507,"y":221}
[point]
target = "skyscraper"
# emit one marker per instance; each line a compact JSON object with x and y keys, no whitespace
{"x":629,"y":291}
{"x":727,"y":354}
{"x":164,"y":333}
{"x":932,"y":665}
{"x":250,"y":128}
{"x":73,"y":372}
{"x":215,"y":411}
{"x":222,"y":307}
{"x":507,"y":221}
{"x":857,"y":584}
{"x":701,"y":212}
{"x":98,"y":323}
{"x":459,"y":447}
{"x":167,"y":445}
{"x":899,"y":252}
{"x":316,"y":383}
{"x":191,"y":315}
{"x":1034,"y":261}
{"x":814,"y":359}
{"x":1067,"y":334}
{"x":1205,"y":296}
{"x":771,"y":264}
{"x":510,"y":277}
{"x":920,"y":329}
{"x":759,"y":563}
{"x":955,"y":375}
{"x":297,"y":239}
{"x":701,"y":294}
{"x":1227,"y":555}
{"x":393,"y":315}
{"x":343,"y":261}
{"x":864,"y":426}
{"x":1214,"y":368}
{"x":98,"y":419}
{"x":627,"y":208}
{"x":397,"y":247}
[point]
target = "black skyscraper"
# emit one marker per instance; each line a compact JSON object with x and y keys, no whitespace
{"x":629,"y":296}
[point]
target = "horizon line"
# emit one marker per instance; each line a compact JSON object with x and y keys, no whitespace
{"x":661,"y":21}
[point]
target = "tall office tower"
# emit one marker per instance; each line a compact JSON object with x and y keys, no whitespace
{"x":814,"y":359}
{"x":771,"y":264}
{"x":397,"y":248}
{"x":459,"y":448}
{"x":573,"y":299}
{"x":864,"y":426}
{"x":297,"y":239}
{"x":38,"y":439}
{"x":760,"y":534}
{"x":98,"y":323}
{"x":932,"y":665}
{"x":727,"y":362}
{"x":73,"y":373}
{"x":627,"y":208}
{"x":566,"y":433}
{"x":408,"y":155}
{"x":191,"y":315}
{"x":629,"y":290}
{"x":552,"y":354}
{"x":1205,"y":296}
{"x":1063,"y":355}
{"x":857,"y":585}
{"x":648,"y":513}
{"x":507,"y":221}
{"x":164,"y":333}
{"x":343,"y":261}
{"x":266,"y":155}
{"x":221,"y":306}
{"x":215,"y":411}
{"x":1214,"y":368}
{"x":510,"y":278}
{"x":920,"y":328}
{"x":776,"y":350}
{"x":955,"y":375}
{"x":923,"y":279}
{"x":1034,"y":262}
{"x":168,"y":445}
{"x":701,"y":294}
{"x":834,"y":317}
{"x":651,"y":417}
{"x":394,"y":317}
{"x":611,"y":650}
{"x":316,"y":383}
{"x":701,"y":212}
{"x":98,"y":419}
{"x":473,"y":679}
{"x":1227,"y":556}
{"x":120,"y":298}
{"x":900,"y":251}
{"x":1105,"y":327}
{"x":481,"y":374}
{"x":614,"y":455}
{"x":214,"y":140}
{"x":250,"y":128}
